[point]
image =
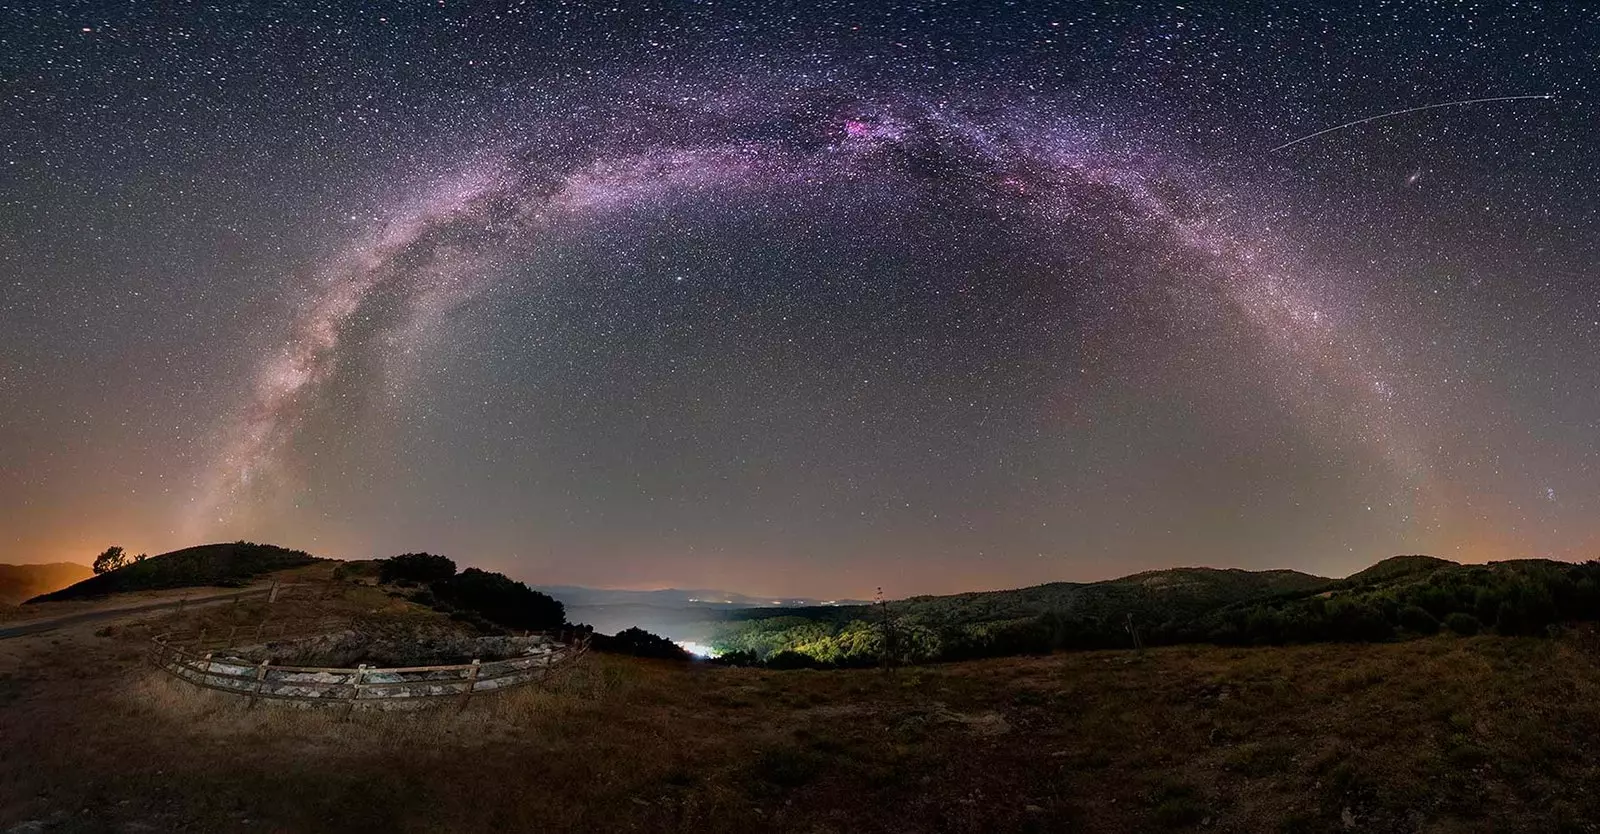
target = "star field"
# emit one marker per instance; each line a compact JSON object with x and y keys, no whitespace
{"x":802,"y":298}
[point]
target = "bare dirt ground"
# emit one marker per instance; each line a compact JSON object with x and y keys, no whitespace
{"x":77,"y":612}
{"x":1437,"y":735}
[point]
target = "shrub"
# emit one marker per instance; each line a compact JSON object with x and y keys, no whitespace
{"x":501,"y":600}
{"x":737,"y":658}
{"x":790,"y":659}
{"x":1463,"y":624}
{"x":1417,"y":619}
{"x":416,"y":567}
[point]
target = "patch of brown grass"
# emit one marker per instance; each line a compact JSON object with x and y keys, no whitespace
{"x":1445,"y":734}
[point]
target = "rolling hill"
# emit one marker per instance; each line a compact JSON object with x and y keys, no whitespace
{"x":229,"y":565}
{"x":1056,"y":614}
{"x":1398,"y":597}
{"x":21,"y":582}
{"x":1397,"y":567}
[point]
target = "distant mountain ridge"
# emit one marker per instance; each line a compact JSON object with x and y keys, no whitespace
{"x":1164,"y":593}
{"x":22,"y":582}
{"x":682,"y":614}
{"x":674,"y":597}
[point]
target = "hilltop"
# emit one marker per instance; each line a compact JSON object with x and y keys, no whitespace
{"x":21,"y":582}
{"x":1396,"y":567}
{"x":226,"y":565}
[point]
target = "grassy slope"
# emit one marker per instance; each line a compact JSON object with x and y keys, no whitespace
{"x":209,"y":564}
{"x":21,"y":582}
{"x":1443,"y":734}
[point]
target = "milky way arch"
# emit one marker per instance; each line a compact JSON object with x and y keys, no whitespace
{"x":440,"y":249}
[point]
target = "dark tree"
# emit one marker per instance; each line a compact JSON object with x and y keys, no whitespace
{"x":501,"y":600}
{"x":109,"y":560}
{"x":421,"y":568}
{"x":640,"y":643}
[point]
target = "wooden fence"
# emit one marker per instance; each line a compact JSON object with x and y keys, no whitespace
{"x":186,"y":656}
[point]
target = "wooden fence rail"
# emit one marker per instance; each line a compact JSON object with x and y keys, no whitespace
{"x":186,"y":657}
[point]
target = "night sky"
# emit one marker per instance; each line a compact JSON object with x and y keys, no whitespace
{"x":802,"y":298}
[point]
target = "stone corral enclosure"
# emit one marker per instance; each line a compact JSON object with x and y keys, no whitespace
{"x":352,"y":668}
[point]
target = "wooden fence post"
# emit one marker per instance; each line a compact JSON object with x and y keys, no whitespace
{"x":472,"y":681}
{"x":261,"y":680}
{"x":273,"y":595}
{"x":355,"y":689}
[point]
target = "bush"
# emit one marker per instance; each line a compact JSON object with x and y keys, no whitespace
{"x":639,"y":643}
{"x":501,"y":600}
{"x":791,"y":659}
{"x":1465,"y":625}
{"x":416,"y":567}
{"x":737,"y":658}
{"x":1417,"y":619}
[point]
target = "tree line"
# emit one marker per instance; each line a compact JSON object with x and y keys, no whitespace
{"x":1525,"y":598}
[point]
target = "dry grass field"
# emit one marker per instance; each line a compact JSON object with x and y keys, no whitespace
{"x":1439,"y":735}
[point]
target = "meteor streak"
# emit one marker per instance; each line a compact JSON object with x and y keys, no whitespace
{"x":1362,"y":121}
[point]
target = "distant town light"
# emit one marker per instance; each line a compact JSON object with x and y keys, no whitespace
{"x":697,"y":649}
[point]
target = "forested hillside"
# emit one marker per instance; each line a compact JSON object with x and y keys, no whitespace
{"x":1406,"y":595}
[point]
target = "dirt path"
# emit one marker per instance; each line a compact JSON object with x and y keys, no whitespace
{"x":28,"y":627}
